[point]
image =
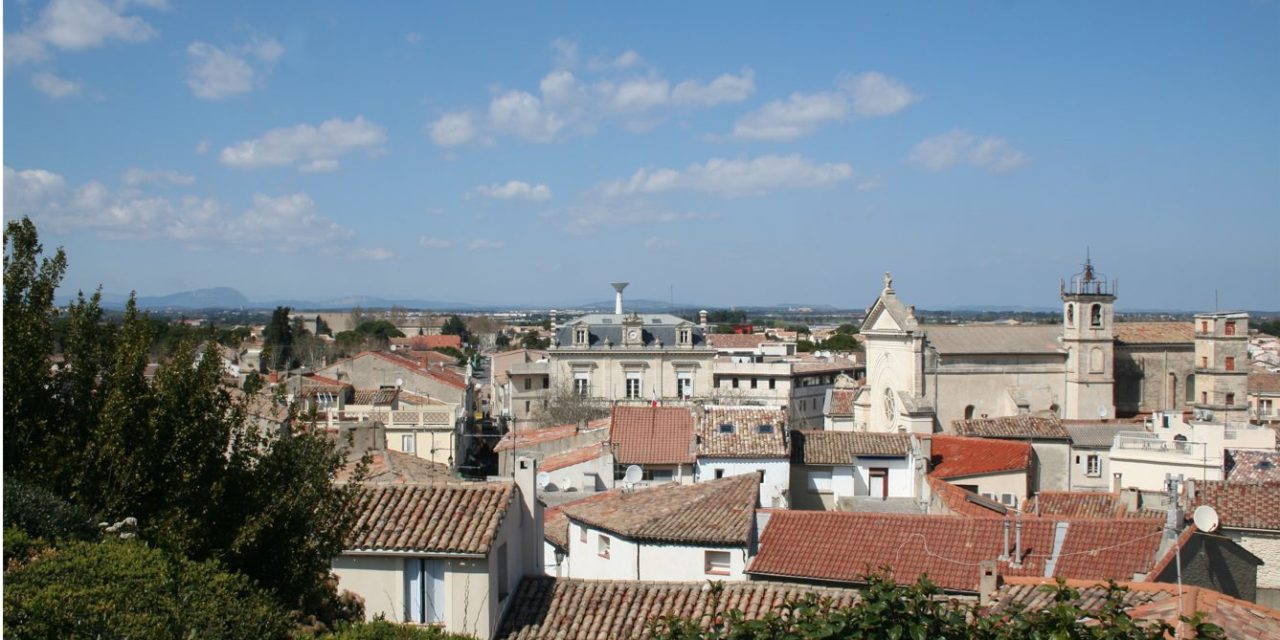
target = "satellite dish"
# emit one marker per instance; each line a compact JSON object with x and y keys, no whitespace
{"x":1102,"y":411}
{"x":1206,"y":518}
{"x":399,"y":382}
{"x":567,"y":483}
{"x":633,"y":475}
{"x":544,"y":479}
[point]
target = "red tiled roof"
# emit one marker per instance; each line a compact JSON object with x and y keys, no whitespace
{"x":1155,"y":333}
{"x":1245,"y":466}
{"x":842,"y":402}
{"x":736,"y":340}
{"x":375,"y":396}
{"x":1022,"y":427}
{"x":444,"y":518}
{"x":394,"y":467}
{"x":844,"y":547}
{"x":321,"y":381}
{"x":540,"y":436}
{"x":841,"y":447}
{"x":1242,"y":506}
{"x":426,"y":343}
{"x":555,"y":524}
{"x":546,"y":608}
{"x":713,"y":512}
{"x":1237,"y":618}
{"x":962,"y":502}
{"x":1077,"y":504}
{"x":1030,"y":593}
{"x":652,"y":435}
{"x":746,"y":439}
{"x":1264,"y":382}
{"x":958,"y":457}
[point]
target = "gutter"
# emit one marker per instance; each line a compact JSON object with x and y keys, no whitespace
{"x":415,"y":554}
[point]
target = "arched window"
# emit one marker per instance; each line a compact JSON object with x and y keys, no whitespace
{"x":1071,"y":315}
{"x":1095,"y":315}
{"x":968,"y":412}
{"x":1190,"y":388}
{"x":1096,"y":365}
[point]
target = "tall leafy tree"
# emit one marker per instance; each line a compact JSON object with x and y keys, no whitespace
{"x":277,"y":341}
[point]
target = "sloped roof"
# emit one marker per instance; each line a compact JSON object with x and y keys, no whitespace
{"x":652,"y":435}
{"x":841,"y":402}
{"x":1021,"y":426}
{"x":737,"y":340}
{"x":1034,"y":593}
{"x":429,"y":342}
{"x":1155,"y":333}
{"x":545,"y":608}
{"x":746,"y":439}
{"x":555,"y":524}
{"x":713,"y":512}
{"x":443,"y":518}
{"x":1237,"y":618}
{"x":959,"y":456}
{"x":1097,"y":435}
{"x":375,"y":396}
{"x":963,"y":502}
{"x":1082,"y":504}
{"x":532,"y":437}
{"x":1240,"y":505}
{"x":1264,"y":382}
{"x":1252,"y":466}
{"x":950,"y":339}
{"x":608,"y":328}
{"x":394,"y":467}
{"x":844,"y":547}
{"x":841,"y":447}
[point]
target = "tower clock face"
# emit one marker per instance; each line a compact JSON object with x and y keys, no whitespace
{"x":633,"y":334}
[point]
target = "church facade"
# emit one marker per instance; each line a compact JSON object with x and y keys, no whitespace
{"x":922,"y":377}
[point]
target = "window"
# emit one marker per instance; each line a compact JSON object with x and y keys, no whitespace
{"x":726,"y":428}
{"x":1230,"y":363}
{"x":1230,"y":329}
{"x":582,"y":384}
{"x":754,"y":383}
{"x":504,"y":588}
{"x":580,"y":336}
{"x":1071,"y":315}
{"x":1204,"y":397}
{"x":661,"y":475}
{"x":719,"y":473}
{"x":1204,"y":326}
{"x":1264,"y":407}
{"x":1204,"y":362}
{"x":765,"y":428}
{"x":684,"y":336}
{"x":526,"y":407}
{"x":1093,"y":466}
{"x":582,"y":535}
{"x":1095,"y":315}
{"x":633,"y":384}
{"x":546,"y":382}
{"x":684,"y":385}
{"x":406,"y":444}
{"x":528,"y":384}
{"x":968,"y":412}
{"x":716,"y":563}
{"x":773,"y":384}
{"x":424,"y":590}
{"x":819,"y":481}
{"x":735,"y":383}
{"x":602,"y":547}
{"x":1231,"y":399}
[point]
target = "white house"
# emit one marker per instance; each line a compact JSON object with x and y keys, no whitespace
{"x":734,"y":441}
{"x":448,"y":554}
{"x":833,"y":469}
{"x":702,"y":531}
{"x":1170,"y":445}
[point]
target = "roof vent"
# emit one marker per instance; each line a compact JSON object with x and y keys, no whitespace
{"x":726,"y":428}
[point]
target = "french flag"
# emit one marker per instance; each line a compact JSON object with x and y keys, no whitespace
{"x":654,"y":395}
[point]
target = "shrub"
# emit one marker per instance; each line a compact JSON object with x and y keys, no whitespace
{"x":41,"y":514}
{"x":383,"y":630}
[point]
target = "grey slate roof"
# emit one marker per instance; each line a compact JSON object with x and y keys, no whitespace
{"x":1098,"y":436}
{"x":606,"y":328}
{"x":994,"y":339}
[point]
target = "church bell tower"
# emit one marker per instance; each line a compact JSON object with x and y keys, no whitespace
{"x":1088,"y":336}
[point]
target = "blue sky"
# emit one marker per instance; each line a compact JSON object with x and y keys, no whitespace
{"x":741,"y":153}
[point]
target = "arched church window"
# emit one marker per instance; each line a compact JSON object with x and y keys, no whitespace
{"x":1096,"y":365}
{"x":1095,"y":315}
{"x":889,"y":408}
{"x":1071,"y":315}
{"x":968,"y":412}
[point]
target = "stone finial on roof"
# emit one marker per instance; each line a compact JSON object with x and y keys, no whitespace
{"x":888,"y":282}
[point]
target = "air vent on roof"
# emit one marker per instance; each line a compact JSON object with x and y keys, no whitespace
{"x":726,"y":428}
{"x":1266,"y":464}
{"x":765,"y":428}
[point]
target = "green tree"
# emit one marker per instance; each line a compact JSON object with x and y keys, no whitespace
{"x":123,"y":589}
{"x":842,"y":342}
{"x":847,"y":329}
{"x":277,"y":341}
{"x":381,"y":330}
{"x":530,"y":340}
{"x":455,"y":326}
{"x":501,"y":340}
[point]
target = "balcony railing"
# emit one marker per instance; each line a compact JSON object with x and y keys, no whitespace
{"x":1148,"y":443}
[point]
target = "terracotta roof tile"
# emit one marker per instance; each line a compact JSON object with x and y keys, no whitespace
{"x":746,"y":440}
{"x":1034,"y":593}
{"x":555,"y":524}
{"x":533,"y":437}
{"x":429,"y":342}
{"x":958,"y":457}
{"x":844,"y":547}
{"x":840,"y":447}
{"x":1252,"y":466}
{"x":737,"y":340}
{"x":713,"y":512}
{"x":963,"y":502}
{"x":1242,"y":506}
{"x":652,"y":435}
{"x":1023,"y":426}
{"x":375,"y":397}
{"x":445,"y":518}
{"x":1155,"y":333}
{"x":1237,"y":618}
{"x":842,"y":402}
{"x":1077,"y":504}
{"x":1264,"y":382}
{"x":561,"y":609}
{"x":394,"y":467}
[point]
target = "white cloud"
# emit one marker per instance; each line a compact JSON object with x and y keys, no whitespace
{"x":875,"y":94}
{"x":452,"y":129}
{"x":734,"y":177}
{"x":586,"y":217}
{"x":434,"y":243}
{"x":867,"y":95}
{"x":372,"y":254}
{"x":311,"y":148}
{"x":216,"y":73}
{"x":75,"y":25}
{"x":960,"y":147}
{"x":53,"y":86}
{"x":516,"y":189}
{"x":622,"y":88}
{"x":799,"y":115}
{"x":139,"y":177}
{"x":484,"y":244}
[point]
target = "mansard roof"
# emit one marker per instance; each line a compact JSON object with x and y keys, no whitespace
{"x":607,"y":329}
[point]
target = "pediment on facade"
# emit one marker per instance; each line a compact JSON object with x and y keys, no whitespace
{"x":888,"y":314}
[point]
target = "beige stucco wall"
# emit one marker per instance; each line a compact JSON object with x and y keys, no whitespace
{"x":377,"y":579}
{"x":1014,"y":482}
{"x":608,"y":369}
{"x":436,"y":445}
{"x":371,"y":372}
{"x":983,"y":381}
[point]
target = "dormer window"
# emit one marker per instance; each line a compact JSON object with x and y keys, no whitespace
{"x":685,"y":336}
{"x":580,"y":336}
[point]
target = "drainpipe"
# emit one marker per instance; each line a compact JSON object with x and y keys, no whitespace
{"x":1004,"y":553}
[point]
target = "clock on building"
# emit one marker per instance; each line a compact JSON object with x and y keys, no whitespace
{"x":633,"y":334}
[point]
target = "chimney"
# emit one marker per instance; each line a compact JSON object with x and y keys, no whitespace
{"x":531,"y":521}
{"x":1017,"y":545}
{"x":617,"y":300}
{"x":988,"y":581}
{"x":702,"y":319}
{"x":553,"y":321}
{"x":1130,"y":499}
{"x":1004,"y":550}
